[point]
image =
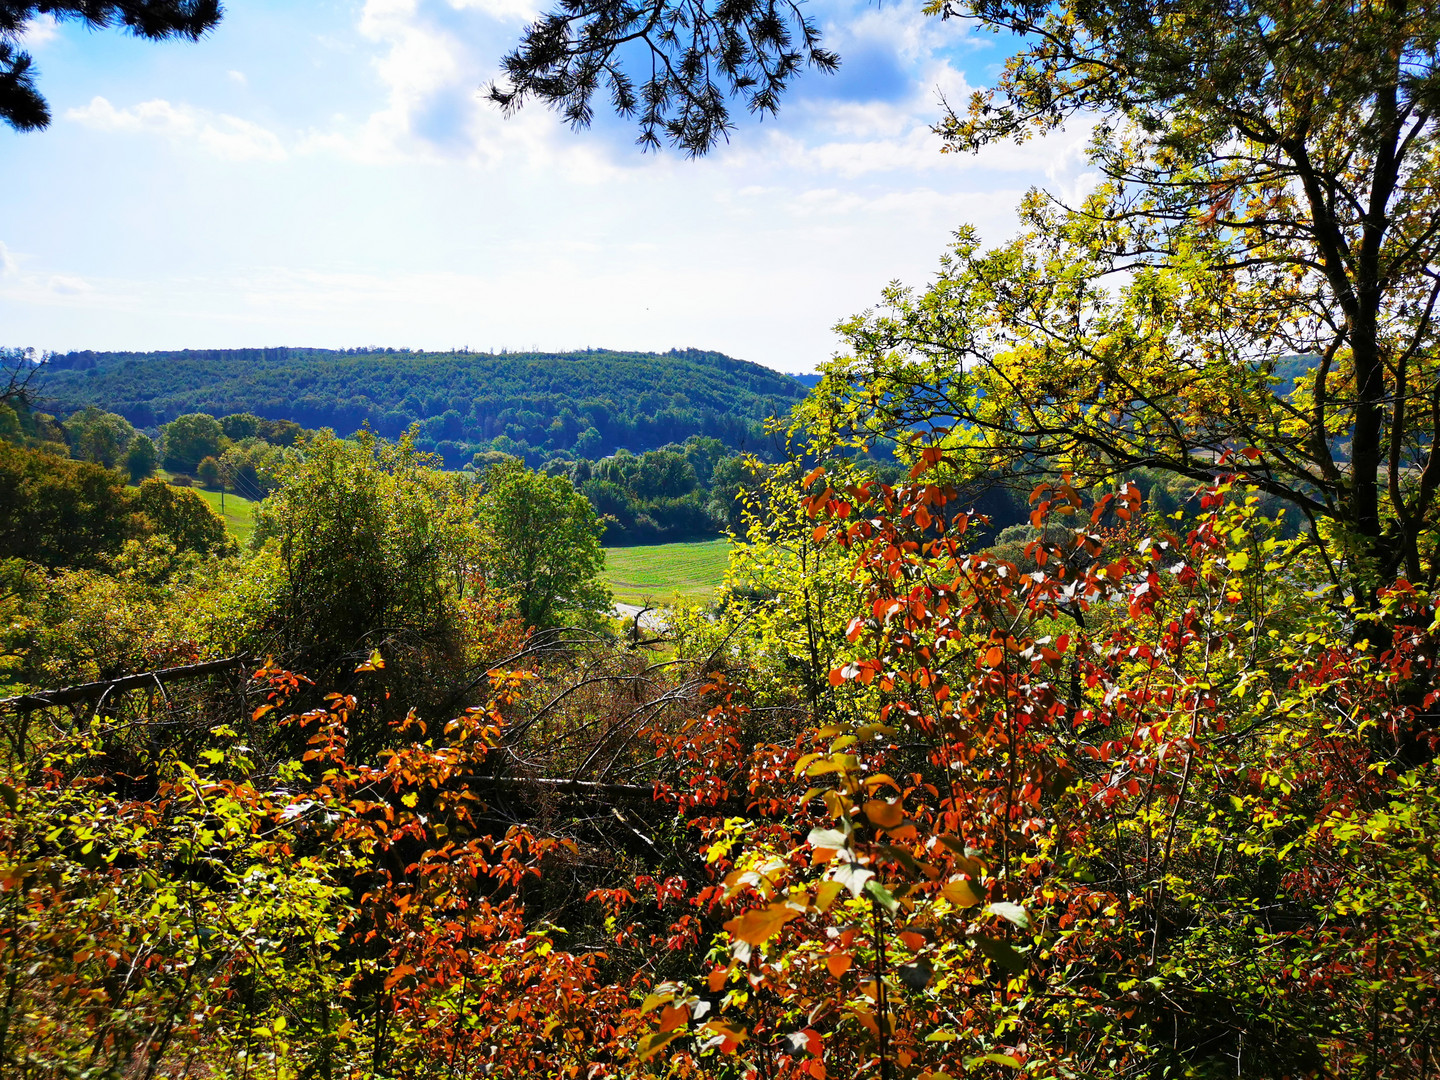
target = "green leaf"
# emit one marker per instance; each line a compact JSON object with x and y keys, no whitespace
{"x":1001,"y":953}
{"x":882,"y":894}
{"x":1011,"y":912}
{"x":650,"y":1045}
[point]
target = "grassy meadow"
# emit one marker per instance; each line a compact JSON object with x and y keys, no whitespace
{"x":239,"y":512}
{"x":689,"y":571}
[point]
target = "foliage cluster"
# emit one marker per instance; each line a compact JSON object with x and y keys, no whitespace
{"x":679,"y":492}
{"x":901,"y":810}
{"x":59,"y":512}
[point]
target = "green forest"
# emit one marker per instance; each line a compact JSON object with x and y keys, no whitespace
{"x":679,"y":491}
{"x":533,"y":405}
{"x":1069,"y":710}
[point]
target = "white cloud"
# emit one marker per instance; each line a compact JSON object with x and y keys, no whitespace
{"x":68,"y":285}
{"x":26,"y":288}
{"x":238,"y":77}
{"x":227,"y":137}
{"x":504,"y":10}
{"x":433,"y":61}
{"x":39,"y":32}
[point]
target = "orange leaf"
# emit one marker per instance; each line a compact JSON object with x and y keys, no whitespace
{"x":838,"y":963}
{"x":398,"y":974}
{"x":866,"y":1017}
{"x":761,"y":924}
{"x":994,"y":656}
{"x":733,"y":1035}
{"x":716,"y":980}
{"x":884,"y":815}
{"x":672,"y":1016}
{"x":912,"y":941}
{"x":825,"y":894}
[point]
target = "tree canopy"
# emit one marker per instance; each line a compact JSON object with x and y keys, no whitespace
{"x":699,"y":55}
{"x":21,"y":105}
{"x":532,"y":405}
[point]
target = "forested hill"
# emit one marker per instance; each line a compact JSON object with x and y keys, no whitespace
{"x":588,"y":403}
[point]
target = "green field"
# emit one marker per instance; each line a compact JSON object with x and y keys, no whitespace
{"x":239,"y":513}
{"x":659,"y":573}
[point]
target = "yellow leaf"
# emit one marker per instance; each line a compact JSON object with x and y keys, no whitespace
{"x":732,"y":1033}
{"x":960,"y":893}
{"x":651,"y":1045}
{"x":825,"y":894}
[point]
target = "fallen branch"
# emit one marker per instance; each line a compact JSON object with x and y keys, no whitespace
{"x":93,"y":691}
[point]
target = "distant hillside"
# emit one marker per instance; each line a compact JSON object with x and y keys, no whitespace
{"x":583,"y":403}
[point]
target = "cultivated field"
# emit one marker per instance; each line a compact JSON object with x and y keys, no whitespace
{"x":661,"y":573}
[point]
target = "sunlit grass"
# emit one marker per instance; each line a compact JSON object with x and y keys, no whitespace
{"x":239,"y":512}
{"x":663,"y":573}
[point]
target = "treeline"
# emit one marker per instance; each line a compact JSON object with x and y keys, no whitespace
{"x":535,"y":406}
{"x":686,"y":490}
{"x":239,"y":453}
{"x":682,"y":491}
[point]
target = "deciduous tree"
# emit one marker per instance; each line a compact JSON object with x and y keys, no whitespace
{"x":141,"y":458}
{"x":189,"y":439}
{"x":541,"y":544}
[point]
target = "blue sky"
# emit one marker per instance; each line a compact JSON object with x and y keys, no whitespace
{"x":326,"y":174}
